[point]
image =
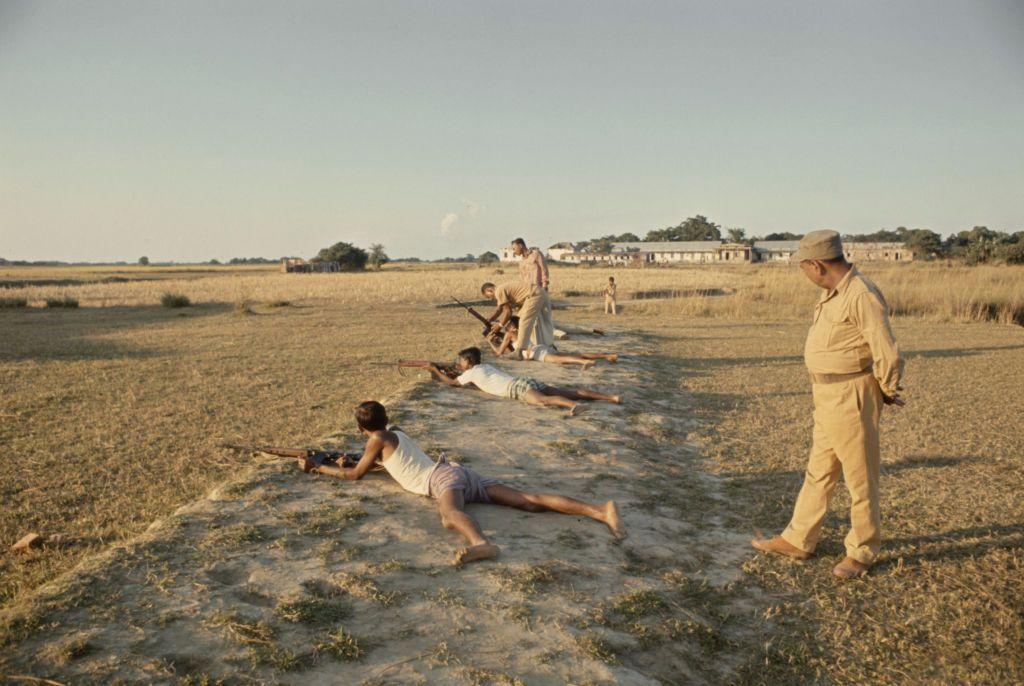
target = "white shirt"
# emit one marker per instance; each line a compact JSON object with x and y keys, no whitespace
{"x":410,"y":466}
{"x":487,"y":379}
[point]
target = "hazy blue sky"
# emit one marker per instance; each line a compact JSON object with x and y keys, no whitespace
{"x":191,"y":130}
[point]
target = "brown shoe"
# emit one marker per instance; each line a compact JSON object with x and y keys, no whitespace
{"x":779,"y":546}
{"x":850,"y":569}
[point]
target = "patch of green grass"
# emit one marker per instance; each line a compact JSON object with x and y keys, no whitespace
{"x":389,"y":565}
{"x":478,"y":676}
{"x":312,"y":610}
{"x":594,"y":646}
{"x":199,"y":680}
{"x":340,"y":645}
{"x":638,"y":604}
{"x":337,"y":551}
{"x":234,"y":536}
{"x":362,"y":587}
{"x":63,"y":652}
{"x":174,"y":300}
{"x":520,"y":612}
{"x":326,"y":520}
{"x":530,"y":579}
{"x":446,"y":597}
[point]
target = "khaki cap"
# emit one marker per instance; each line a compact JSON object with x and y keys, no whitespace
{"x":819,"y":245}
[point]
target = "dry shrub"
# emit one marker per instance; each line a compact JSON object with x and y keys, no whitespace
{"x":174,"y":300}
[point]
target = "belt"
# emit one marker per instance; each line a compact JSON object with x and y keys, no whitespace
{"x":838,"y":378}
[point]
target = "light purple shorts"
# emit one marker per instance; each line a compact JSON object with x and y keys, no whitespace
{"x":451,"y":475}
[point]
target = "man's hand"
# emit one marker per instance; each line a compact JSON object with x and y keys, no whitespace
{"x":893,"y":400}
{"x":307,"y":464}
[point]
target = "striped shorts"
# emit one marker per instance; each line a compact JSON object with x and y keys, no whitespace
{"x":521,"y":384}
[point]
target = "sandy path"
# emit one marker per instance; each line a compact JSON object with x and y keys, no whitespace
{"x":250,"y":584}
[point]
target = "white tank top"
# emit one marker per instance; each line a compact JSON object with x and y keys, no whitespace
{"x":410,"y":466}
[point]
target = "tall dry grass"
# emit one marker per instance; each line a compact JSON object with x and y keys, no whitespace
{"x":931,"y":291}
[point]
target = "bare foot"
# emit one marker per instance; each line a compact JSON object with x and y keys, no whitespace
{"x":613,"y":358}
{"x":484,"y":551}
{"x":617,"y":399}
{"x":613,"y":520}
{"x":575,"y":409}
{"x":587,"y":365}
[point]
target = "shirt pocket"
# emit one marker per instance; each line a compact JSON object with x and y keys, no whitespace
{"x":839,"y":329}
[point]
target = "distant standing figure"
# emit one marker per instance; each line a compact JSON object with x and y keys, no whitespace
{"x":609,"y":296}
{"x":533,"y":269}
{"x":855,"y":368}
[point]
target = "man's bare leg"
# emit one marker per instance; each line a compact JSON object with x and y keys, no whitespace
{"x":581,"y":394}
{"x":608,"y":513}
{"x":538,"y":398}
{"x":449,"y":505}
{"x":560,"y":358}
{"x":611,"y":357}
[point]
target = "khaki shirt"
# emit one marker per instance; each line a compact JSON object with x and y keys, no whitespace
{"x":533,"y":268}
{"x":851,"y":333}
{"x":514,"y":294}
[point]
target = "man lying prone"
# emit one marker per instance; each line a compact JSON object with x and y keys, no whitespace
{"x":450,"y":484}
{"x":496,"y":382}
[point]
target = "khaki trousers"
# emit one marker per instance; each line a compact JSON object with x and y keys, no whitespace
{"x":535,"y":324}
{"x":846,"y":416}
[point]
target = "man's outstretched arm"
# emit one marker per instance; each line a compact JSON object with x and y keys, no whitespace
{"x":371,"y":453}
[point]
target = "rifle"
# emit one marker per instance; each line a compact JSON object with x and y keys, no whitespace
{"x":320,"y":457}
{"x":448,"y":370}
{"x":488,"y":332}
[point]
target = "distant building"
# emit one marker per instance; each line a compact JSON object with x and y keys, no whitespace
{"x":736,"y":252}
{"x":297,"y":265}
{"x":642,"y":253}
{"x":559,"y":250}
{"x":877,"y":252}
{"x":508,"y":256}
{"x":774,"y":251}
{"x":669,"y":252}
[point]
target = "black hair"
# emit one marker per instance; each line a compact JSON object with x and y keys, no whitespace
{"x":471,"y":355}
{"x":836,"y":260}
{"x":612,"y":279}
{"x":514,"y":320}
{"x":520,"y":241}
{"x":487,"y":284}
{"x":371,"y":415}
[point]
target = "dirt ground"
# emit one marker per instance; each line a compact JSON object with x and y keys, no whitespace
{"x":283,"y":577}
{"x":114,"y":416}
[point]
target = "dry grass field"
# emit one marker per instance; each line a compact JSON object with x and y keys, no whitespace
{"x":113,"y":413}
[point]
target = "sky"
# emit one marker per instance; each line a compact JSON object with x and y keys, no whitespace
{"x":192,"y":130}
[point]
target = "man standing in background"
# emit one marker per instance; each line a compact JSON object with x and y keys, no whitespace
{"x":855,"y":368}
{"x":533,"y":269}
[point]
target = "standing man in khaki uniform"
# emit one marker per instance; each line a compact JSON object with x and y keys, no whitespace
{"x":855,"y":368}
{"x":531,"y":300}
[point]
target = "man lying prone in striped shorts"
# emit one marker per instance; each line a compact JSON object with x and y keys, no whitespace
{"x":496,"y":382}
{"x":451,"y":484}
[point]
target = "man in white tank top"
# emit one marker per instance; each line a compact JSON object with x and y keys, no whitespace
{"x":451,"y":484}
